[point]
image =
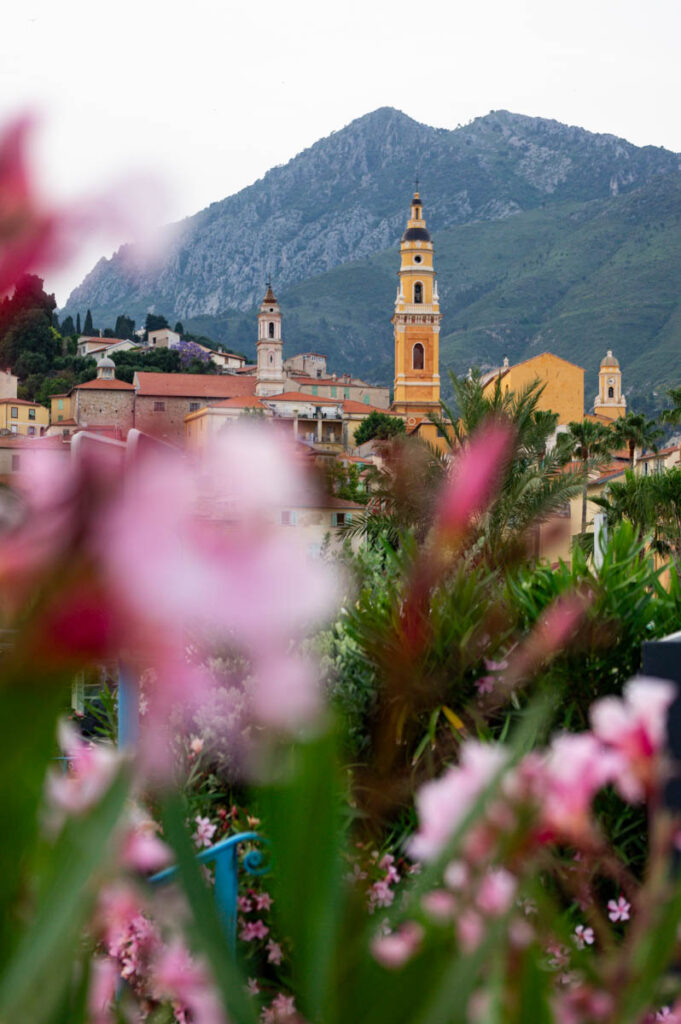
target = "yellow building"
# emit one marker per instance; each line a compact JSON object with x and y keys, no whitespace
{"x":563,"y":384}
{"x":417,"y":323}
{"x":60,"y":409}
{"x":610,"y":402}
{"x":17,"y":416}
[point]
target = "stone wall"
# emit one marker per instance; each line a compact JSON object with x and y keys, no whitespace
{"x":99,"y":407}
{"x":163,"y":417}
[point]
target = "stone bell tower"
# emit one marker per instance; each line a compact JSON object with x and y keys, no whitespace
{"x":270,"y":360}
{"x":610,"y":401}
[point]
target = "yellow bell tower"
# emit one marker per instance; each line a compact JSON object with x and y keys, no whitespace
{"x":417,"y":323}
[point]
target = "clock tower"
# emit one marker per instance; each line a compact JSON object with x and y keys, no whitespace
{"x":269,"y":346}
{"x":417,"y":323}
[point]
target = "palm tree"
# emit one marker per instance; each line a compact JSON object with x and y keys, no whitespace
{"x":589,"y":443}
{"x":637,"y":431}
{"x":652,"y":504}
{"x":673,"y":415}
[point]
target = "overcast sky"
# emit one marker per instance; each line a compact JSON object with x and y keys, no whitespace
{"x":206,"y":96}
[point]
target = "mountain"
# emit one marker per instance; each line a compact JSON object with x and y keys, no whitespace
{"x":573,"y":278}
{"x":346,"y":198}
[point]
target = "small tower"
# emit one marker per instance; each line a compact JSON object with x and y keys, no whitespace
{"x":270,"y":363}
{"x":610,"y":401}
{"x":106,"y":369}
{"x":417,"y":322}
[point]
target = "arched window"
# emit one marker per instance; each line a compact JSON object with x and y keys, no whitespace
{"x":271,"y":330}
{"x":271,"y":358}
{"x":418,"y":292}
{"x":611,"y":392}
{"x":417,"y":356}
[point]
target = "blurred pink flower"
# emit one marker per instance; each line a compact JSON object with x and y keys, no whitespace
{"x":497,"y":891}
{"x":253,"y":930}
{"x":439,"y":904}
{"x":263,"y":900}
{"x":470,"y":929}
{"x":575,"y":767}
{"x":584,"y":936}
{"x":475,"y":475}
{"x":102,"y":991}
{"x":394,"y":950}
{"x":634,"y":726}
{"x":176,"y":975}
{"x":143,"y":851}
{"x":90,"y":771}
{"x":444,"y":803}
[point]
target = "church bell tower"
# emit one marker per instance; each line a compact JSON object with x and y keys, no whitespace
{"x":270,"y":359}
{"x":417,"y":323}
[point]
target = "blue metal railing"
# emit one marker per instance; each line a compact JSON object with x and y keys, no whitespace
{"x":225,"y":857}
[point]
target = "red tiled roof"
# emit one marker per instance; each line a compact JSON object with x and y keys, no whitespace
{"x":662,"y":451}
{"x":104,"y":385}
{"x":349,"y":405}
{"x":64,"y":423}
{"x":299,"y":396}
{"x":239,"y":402}
{"x":20,"y":401}
{"x":21,"y":441}
{"x":193,"y":385}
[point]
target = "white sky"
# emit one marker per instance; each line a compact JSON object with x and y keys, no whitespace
{"x":207,"y":95}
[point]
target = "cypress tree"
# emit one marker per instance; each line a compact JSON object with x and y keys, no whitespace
{"x":78,"y":331}
{"x":88,"y":329}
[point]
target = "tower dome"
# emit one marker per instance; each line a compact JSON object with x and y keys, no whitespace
{"x":610,"y":402}
{"x":609,"y":360}
{"x":106,"y":369}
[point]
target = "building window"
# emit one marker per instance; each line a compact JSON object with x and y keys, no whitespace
{"x":159,"y":406}
{"x":15,"y":412}
{"x":333,"y":392}
{"x":365,"y":399}
{"x":315,"y":389}
{"x":418,"y":292}
{"x":13,"y":428}
{"x":16,"y":462}
{"x":611,"y":392}
{"x":60,"y":403}
{"x":59,"y":418}
{"x":193,"y":406}
{"x":31,"y":414}
{"x":417,"y":356}
{"x":31,"y":431}
{"x":271,"y":329}
{"x":319,"y":373}
{"x":342,"y":518}
{"x":271,"y":359}
{"x":346,"y":392}
{"x":287,"y":518}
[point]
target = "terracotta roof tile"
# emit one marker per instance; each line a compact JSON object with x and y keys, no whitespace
{"x":104,"y":385}
{"x":300,"y":396}
{"x":239,"y":402}
{"x":193,"y":385}
{"x":351,"y":406}
{"x":21,"y":401}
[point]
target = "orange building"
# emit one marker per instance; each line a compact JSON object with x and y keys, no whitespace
{"x":563,"y":384}
{"x":417,"y":324}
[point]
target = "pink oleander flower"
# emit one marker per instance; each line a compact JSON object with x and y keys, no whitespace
{"x":394,"y":950}
{"x":253,"y":930}
{"x":380,"y":895}
{"x":245,"y":904}
{"x":280,"y":1009}
{"x":196,"y":745}
{"x":667,"y":1014}
{"x":559,"y":956}
{"x":439,"y":904}
{"x":485,"y":684}
{"x":456,"y":875}
{"x":387,"y":864}
{"x":497,"y":892}
{"x":90,"y":772}
{"x":470,"y":929}
{"x":575,"y":767}
{"x":495,"y":666}
{"x":204,"y":832}
{"x":275,"y":954}
{"x":263,"y":900}
{"x":634,"y":726}
{"x":443,"y":803}
{"x":253,"y":988}
{"x":475,"y":476}
{"x":143,"y":851}
{"x":177,"y":975}
{"x":618,"y":910}
{"x":584,"y":936}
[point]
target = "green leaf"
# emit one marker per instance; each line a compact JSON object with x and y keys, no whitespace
{"x":38,"y":975}
{"x":303,"y":820}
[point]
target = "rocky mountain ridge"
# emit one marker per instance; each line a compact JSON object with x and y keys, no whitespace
{"x":346,"y":198}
